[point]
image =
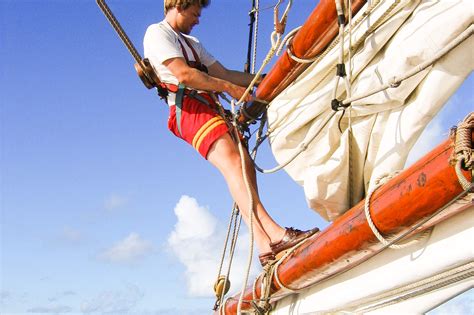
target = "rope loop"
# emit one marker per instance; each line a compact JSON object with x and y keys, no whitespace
{"x":462,"y":156}
{"x":379,"y":181}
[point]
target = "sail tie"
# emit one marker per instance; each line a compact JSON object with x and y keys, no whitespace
{"x":463,"y":156}
{"x":379,"y":181}
{"x":303,"y":146}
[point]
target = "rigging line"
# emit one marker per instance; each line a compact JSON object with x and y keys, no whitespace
{"x":392,"y":241}
{"x":461,"y":276}
{"x":287,"y":38}
{"x":358,"y":22}
{"x":250,"y":209}
{"x":270,"y":53}
{"x":120,"y":32}
{"x":347,"y":81}
{"x":235,"y":215}
{"x":255,"y":35}
{"x":302,"y":147}
{"x":395,"y":81}
{"x":386,"y":15}
{"x":233,"y":246}
{"x":253,"y":17}
{"x":410,"y":290}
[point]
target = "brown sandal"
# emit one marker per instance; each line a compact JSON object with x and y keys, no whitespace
{"x":291,"y":238}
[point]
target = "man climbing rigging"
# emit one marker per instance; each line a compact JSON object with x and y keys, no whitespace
{"x":191,"y":75}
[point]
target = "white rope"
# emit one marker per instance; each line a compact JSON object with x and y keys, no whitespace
{"x":395,"y":81}
{"x":407,"y":232}
{"x":286,"y":39}
{"x":387,"y":242}
{"x":275,"y":39}
{"x":386,"y":15}
{"x":255,"y":35}
{"x":231,"y":252}
{"x":222,"y":307}
{"x":392,"y":84}
{"x":411,"y":290}
{"x":304,"y":145}
{"x":251,"y":214}
{"x":318,"y":57}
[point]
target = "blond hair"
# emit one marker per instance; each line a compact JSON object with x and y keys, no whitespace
{"x":184,"y":4}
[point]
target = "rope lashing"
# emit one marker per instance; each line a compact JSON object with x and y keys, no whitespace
{"x":396,"y":81}
{"x":379,"y":181}
{"x":387,"y":14}
{"x":463,"y":156}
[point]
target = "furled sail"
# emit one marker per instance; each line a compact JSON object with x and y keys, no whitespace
{"x":339,"y":154}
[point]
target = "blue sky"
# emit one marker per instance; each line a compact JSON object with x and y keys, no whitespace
{"x":102,"y":209}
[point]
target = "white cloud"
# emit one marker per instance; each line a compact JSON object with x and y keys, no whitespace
{"x":197,"y":241}
{"x":114,"y":202}
{"x":128,"y":250}
{"x":114,"y":302}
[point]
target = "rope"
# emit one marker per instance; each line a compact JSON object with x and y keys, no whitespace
{"x":341,"y":73}
{"x":463,"y":153}
{"x":408,"y":291}
{"x":219,"y":299}
{"x":396,"y":81}
{"x":403,"y":235}
{"x":231,"y":254}
{"x":250,"y":196}
{"x":303,"y":146}
{"x":118,"y":28}
{"x":255,"y":33}
{"x":387,"y":242}
{"x":318,"y":57}
{"x":278,"y":30}
{"x":271,"y":52}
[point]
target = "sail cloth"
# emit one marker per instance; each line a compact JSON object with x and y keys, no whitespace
{"x":395,"y":37}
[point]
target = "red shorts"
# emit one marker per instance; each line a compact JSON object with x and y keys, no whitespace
{"x":201,"y":126}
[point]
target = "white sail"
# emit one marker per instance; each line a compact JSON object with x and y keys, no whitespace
{"x":394,"y":38}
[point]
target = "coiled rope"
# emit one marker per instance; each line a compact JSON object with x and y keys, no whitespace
{"x":463,"y":154}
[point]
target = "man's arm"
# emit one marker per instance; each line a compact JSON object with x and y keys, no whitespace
{"x":199,"y":80}
{"x":237,"y":77}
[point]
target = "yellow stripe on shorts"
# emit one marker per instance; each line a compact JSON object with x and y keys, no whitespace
{"x":205,"y":129}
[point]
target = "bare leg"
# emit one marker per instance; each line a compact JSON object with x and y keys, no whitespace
{"x":224,"y":155}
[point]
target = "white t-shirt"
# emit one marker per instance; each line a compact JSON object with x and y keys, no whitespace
{"x":161,"y":43}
